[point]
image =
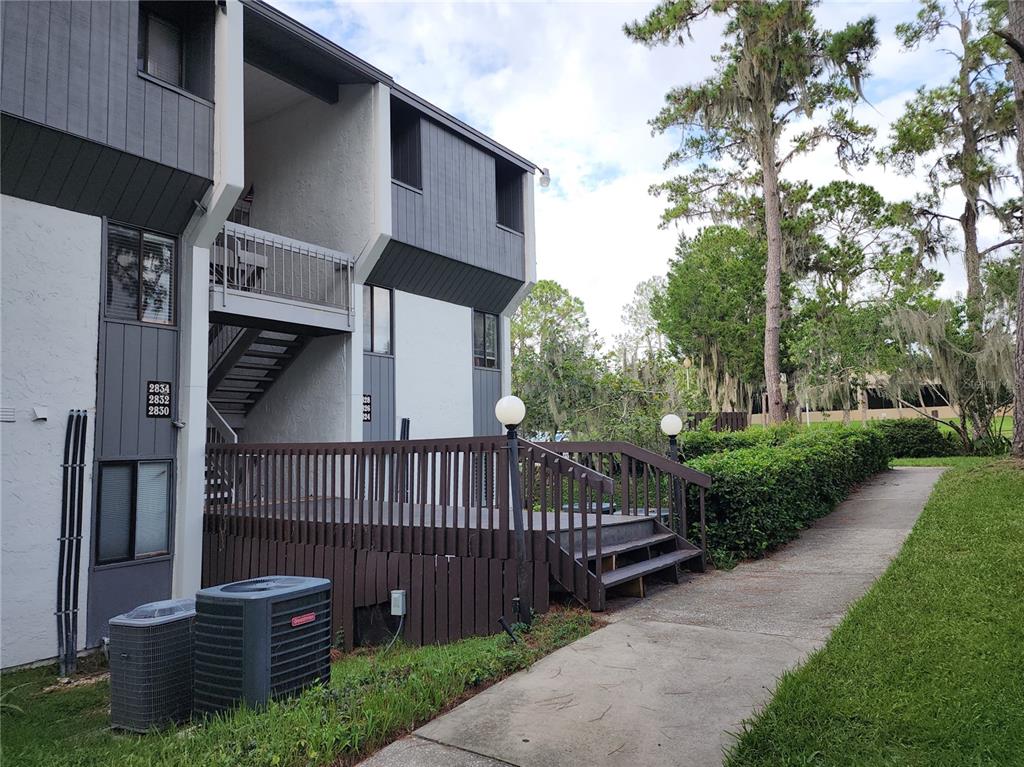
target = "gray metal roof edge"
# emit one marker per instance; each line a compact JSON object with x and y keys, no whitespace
{"x":270,"y":13}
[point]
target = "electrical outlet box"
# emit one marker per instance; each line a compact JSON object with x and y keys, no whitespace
{"x":398,"y":602}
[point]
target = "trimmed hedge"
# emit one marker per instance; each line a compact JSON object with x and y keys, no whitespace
{"x":761,"y":497}
{"x":915,"y":438}
{"x":704,"y":441}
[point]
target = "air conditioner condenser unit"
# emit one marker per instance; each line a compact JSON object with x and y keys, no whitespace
{"x":260,"y":639}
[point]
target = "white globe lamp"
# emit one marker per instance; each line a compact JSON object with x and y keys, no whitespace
{"x":510,"y":411}
{"x":671,"y":425}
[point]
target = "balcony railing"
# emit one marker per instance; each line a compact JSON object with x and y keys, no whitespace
{"x":253,"y":261}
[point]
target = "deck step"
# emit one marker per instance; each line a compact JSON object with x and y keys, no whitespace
{"x":647,"y":567}
{"x":633,"y":545}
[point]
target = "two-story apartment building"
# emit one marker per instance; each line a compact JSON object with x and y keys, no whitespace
{"x":218,"y":225}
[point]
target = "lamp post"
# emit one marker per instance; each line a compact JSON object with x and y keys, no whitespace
{"x":510,"y":412}
{"x":671,"y":425}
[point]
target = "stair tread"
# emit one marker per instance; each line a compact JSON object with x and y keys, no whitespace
{"x":250,"y":378}
{"x":257,"y":364}
{"x":648,"y":566}
{"x":267,"y":355}
{"x":636,"y":543}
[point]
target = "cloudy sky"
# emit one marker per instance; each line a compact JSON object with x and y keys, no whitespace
{"x":560,"y":84}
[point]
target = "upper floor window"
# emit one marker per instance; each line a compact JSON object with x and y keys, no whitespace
{"x":163,"y":49}
{"x":485,"y":340}
{"x":377,"y":314}
{"x":406,"y":160}
{"x":176,"y":44}
{"x":141,"y":269}
{"x":508,"y":181}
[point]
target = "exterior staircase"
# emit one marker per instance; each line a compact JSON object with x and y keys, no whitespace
{"x":627,"y":536}
{"x":244,"y":364}
{"x":635,"y":550}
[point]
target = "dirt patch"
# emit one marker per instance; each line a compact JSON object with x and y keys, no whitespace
{"x":69,"y":683}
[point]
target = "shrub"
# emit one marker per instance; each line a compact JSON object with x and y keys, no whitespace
{"x":761,"y":497}
{"x":704,"y":441}
{"x":915,"y":438}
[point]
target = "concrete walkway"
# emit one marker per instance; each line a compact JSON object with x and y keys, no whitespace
{"x":673,"y":676}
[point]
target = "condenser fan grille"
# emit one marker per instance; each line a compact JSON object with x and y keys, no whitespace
{"x":219,"y":657}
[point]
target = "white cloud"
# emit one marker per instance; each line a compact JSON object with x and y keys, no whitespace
{"x":561,"y":85}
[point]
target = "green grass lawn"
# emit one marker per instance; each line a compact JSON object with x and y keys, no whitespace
{"x":927,"y":668}
{"x":372,"y":699}
{"x":956,"y":461}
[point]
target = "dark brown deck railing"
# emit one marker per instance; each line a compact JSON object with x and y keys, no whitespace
{"x":646,"y":483}
{"x":423,"y":497}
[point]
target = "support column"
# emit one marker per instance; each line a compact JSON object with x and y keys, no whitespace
{"x":192,"y":395}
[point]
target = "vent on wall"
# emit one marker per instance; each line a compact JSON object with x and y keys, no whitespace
{"x":7,"y":415}
{"x":260,"y":639}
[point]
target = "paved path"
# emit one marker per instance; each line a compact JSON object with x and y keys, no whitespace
{"x":673,"y":675}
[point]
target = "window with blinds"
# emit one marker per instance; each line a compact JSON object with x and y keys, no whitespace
{"x":176,"y":44}
{"x":133,"y":520}
{"x":163,"y":49}
{"x":115,"y":513}
{"x":140,"y":276}
{"x":485,"y":340}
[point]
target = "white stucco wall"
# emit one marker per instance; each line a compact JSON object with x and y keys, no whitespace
{"x":50,"y":277}
{"x":433,"y":363}
{"x":313,"y":168}
{"x":311,"y":401}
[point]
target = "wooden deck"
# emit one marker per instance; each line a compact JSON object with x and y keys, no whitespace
{"x":435,"y":518}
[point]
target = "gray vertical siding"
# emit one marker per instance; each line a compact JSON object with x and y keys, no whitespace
{"x":379,"y":383}
{"x":455,"y":214}
{"x":73,"y":66}
{"x":133,"y":354}
{"x":486,"y":391}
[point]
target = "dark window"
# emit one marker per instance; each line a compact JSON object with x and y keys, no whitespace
{"x":163,"y":49}
{"x":140,"y":276}
{"x":934,"y":396}
{"x":134,"y":511}
{"x":406,"y":160}
{"x":508,"y":180}
{"x":879,"y":400}
{"x":176,"y":44}
{"x":485,"y":340}
{"x":376,"y":319}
